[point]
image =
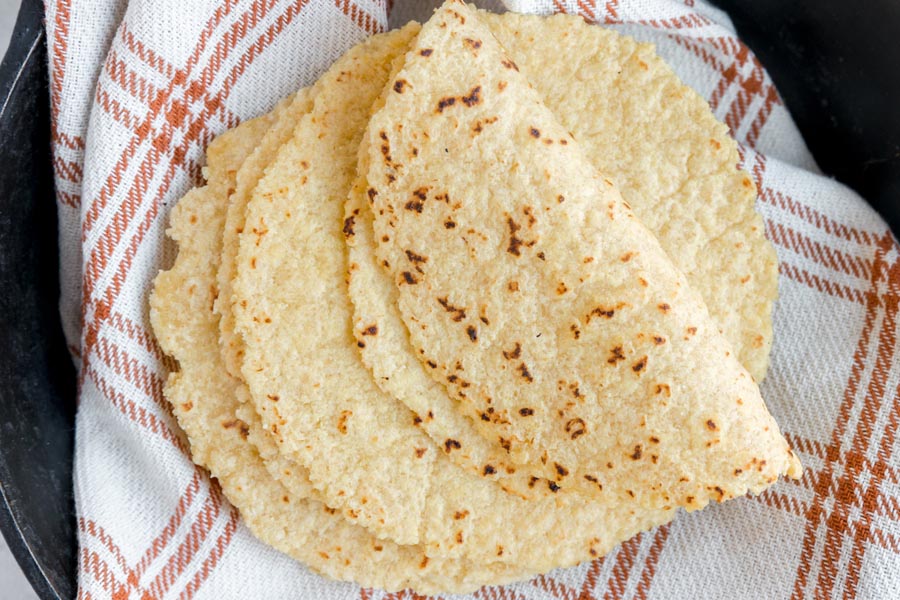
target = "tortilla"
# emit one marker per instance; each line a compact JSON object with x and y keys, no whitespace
{"x":539,"y":312}
{"x":627,"y":97}
{"x":674,"y":163}
{"x":204,"y":401}
{"x":285,"y":119}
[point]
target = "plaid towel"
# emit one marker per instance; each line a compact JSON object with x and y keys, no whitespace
{"x":138,"y":89}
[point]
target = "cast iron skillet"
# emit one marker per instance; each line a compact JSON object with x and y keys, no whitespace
{"x":836,"y":66}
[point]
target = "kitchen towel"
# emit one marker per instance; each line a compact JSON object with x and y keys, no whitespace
{"x":139,"y":88}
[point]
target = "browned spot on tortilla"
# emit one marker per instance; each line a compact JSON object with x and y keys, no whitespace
{"x":420,"y":452}
{"x":473,"y":44}
{"x":399,"y":85}
{"x":370,"y":330}
{"x":415,"y":258}
{"x":472,"y":333}
{"x":473,"y":97}
{"x":509,"y":64}
{"x":458,"y":313}
{"x":663,"y":388}
{"x":711,"y":425}
{"x":576,"y":427}
{"x":426,"y":52}
{"x":664,"y":307}
{"x":514,"y":353}
{"x":534,"y":132}
{"x":451,"y":444}
{"x":342,"y":421}
{"x":445,"y":102}
{"x":348,"y":226}
{"x":409,"y":278}
{"x":513,"y":286}
{"x":489,"y":470}
{"x":639,"y":365}
{"x":638,"y":452}
{"x":615,"y":355}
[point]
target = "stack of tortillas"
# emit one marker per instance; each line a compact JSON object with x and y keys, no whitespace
{"x":458,"y":296}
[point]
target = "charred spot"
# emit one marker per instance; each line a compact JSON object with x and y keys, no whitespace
{"x":458,"y":313}
{"x":664,"y":307}
{"x":638,"y":452}
{"x":532,"y":480}
{"x":371,"y":193}
{"x":711,"y":425}
{"x":526,"y":412}
{"x":541,"y":256}
{"x":414,"y":205}
{"x":594,"y":480}
{"x":370,"y":330}
{"x":445,"y":102}
{"x":450,"y":445}
{"x":514,"y":242}
{"x":509,"y":64}
{"x":473,"y":44}
{"x":504,"y":443}
{"x":349,"y":222}
{"x":560,"y":470}
{"x":615,"y":355}
{"x":409,"y":278}
{"x":273,"y":397}
{"x":415,"y":258}
{"x":514,"y":353}
{"x":399,"y":85}
{"x":654,"y":439}
{"x":534,"y":132}
{"x":738,"y":472}
{"x":553,"y":486}
{"x":485,"y":417}
{"x":499,"y":550}
{"x":602,"y":311}
{"x":639,"y":365}
{"x":417,"y":420}
{"x":576,"y":428}
{"x":360,"y":344}
{"x":472,"y":333}
{"x":525,"y":373}
{"x":489,"y":470}
{"x":473,"y":97}
{"x":659,"y":340}
{"x":449,"y":224}
{"x":431,"y":364}
{"x":426,"y":52}
{"x":420,"y":452}
{"x":452,"y":378}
